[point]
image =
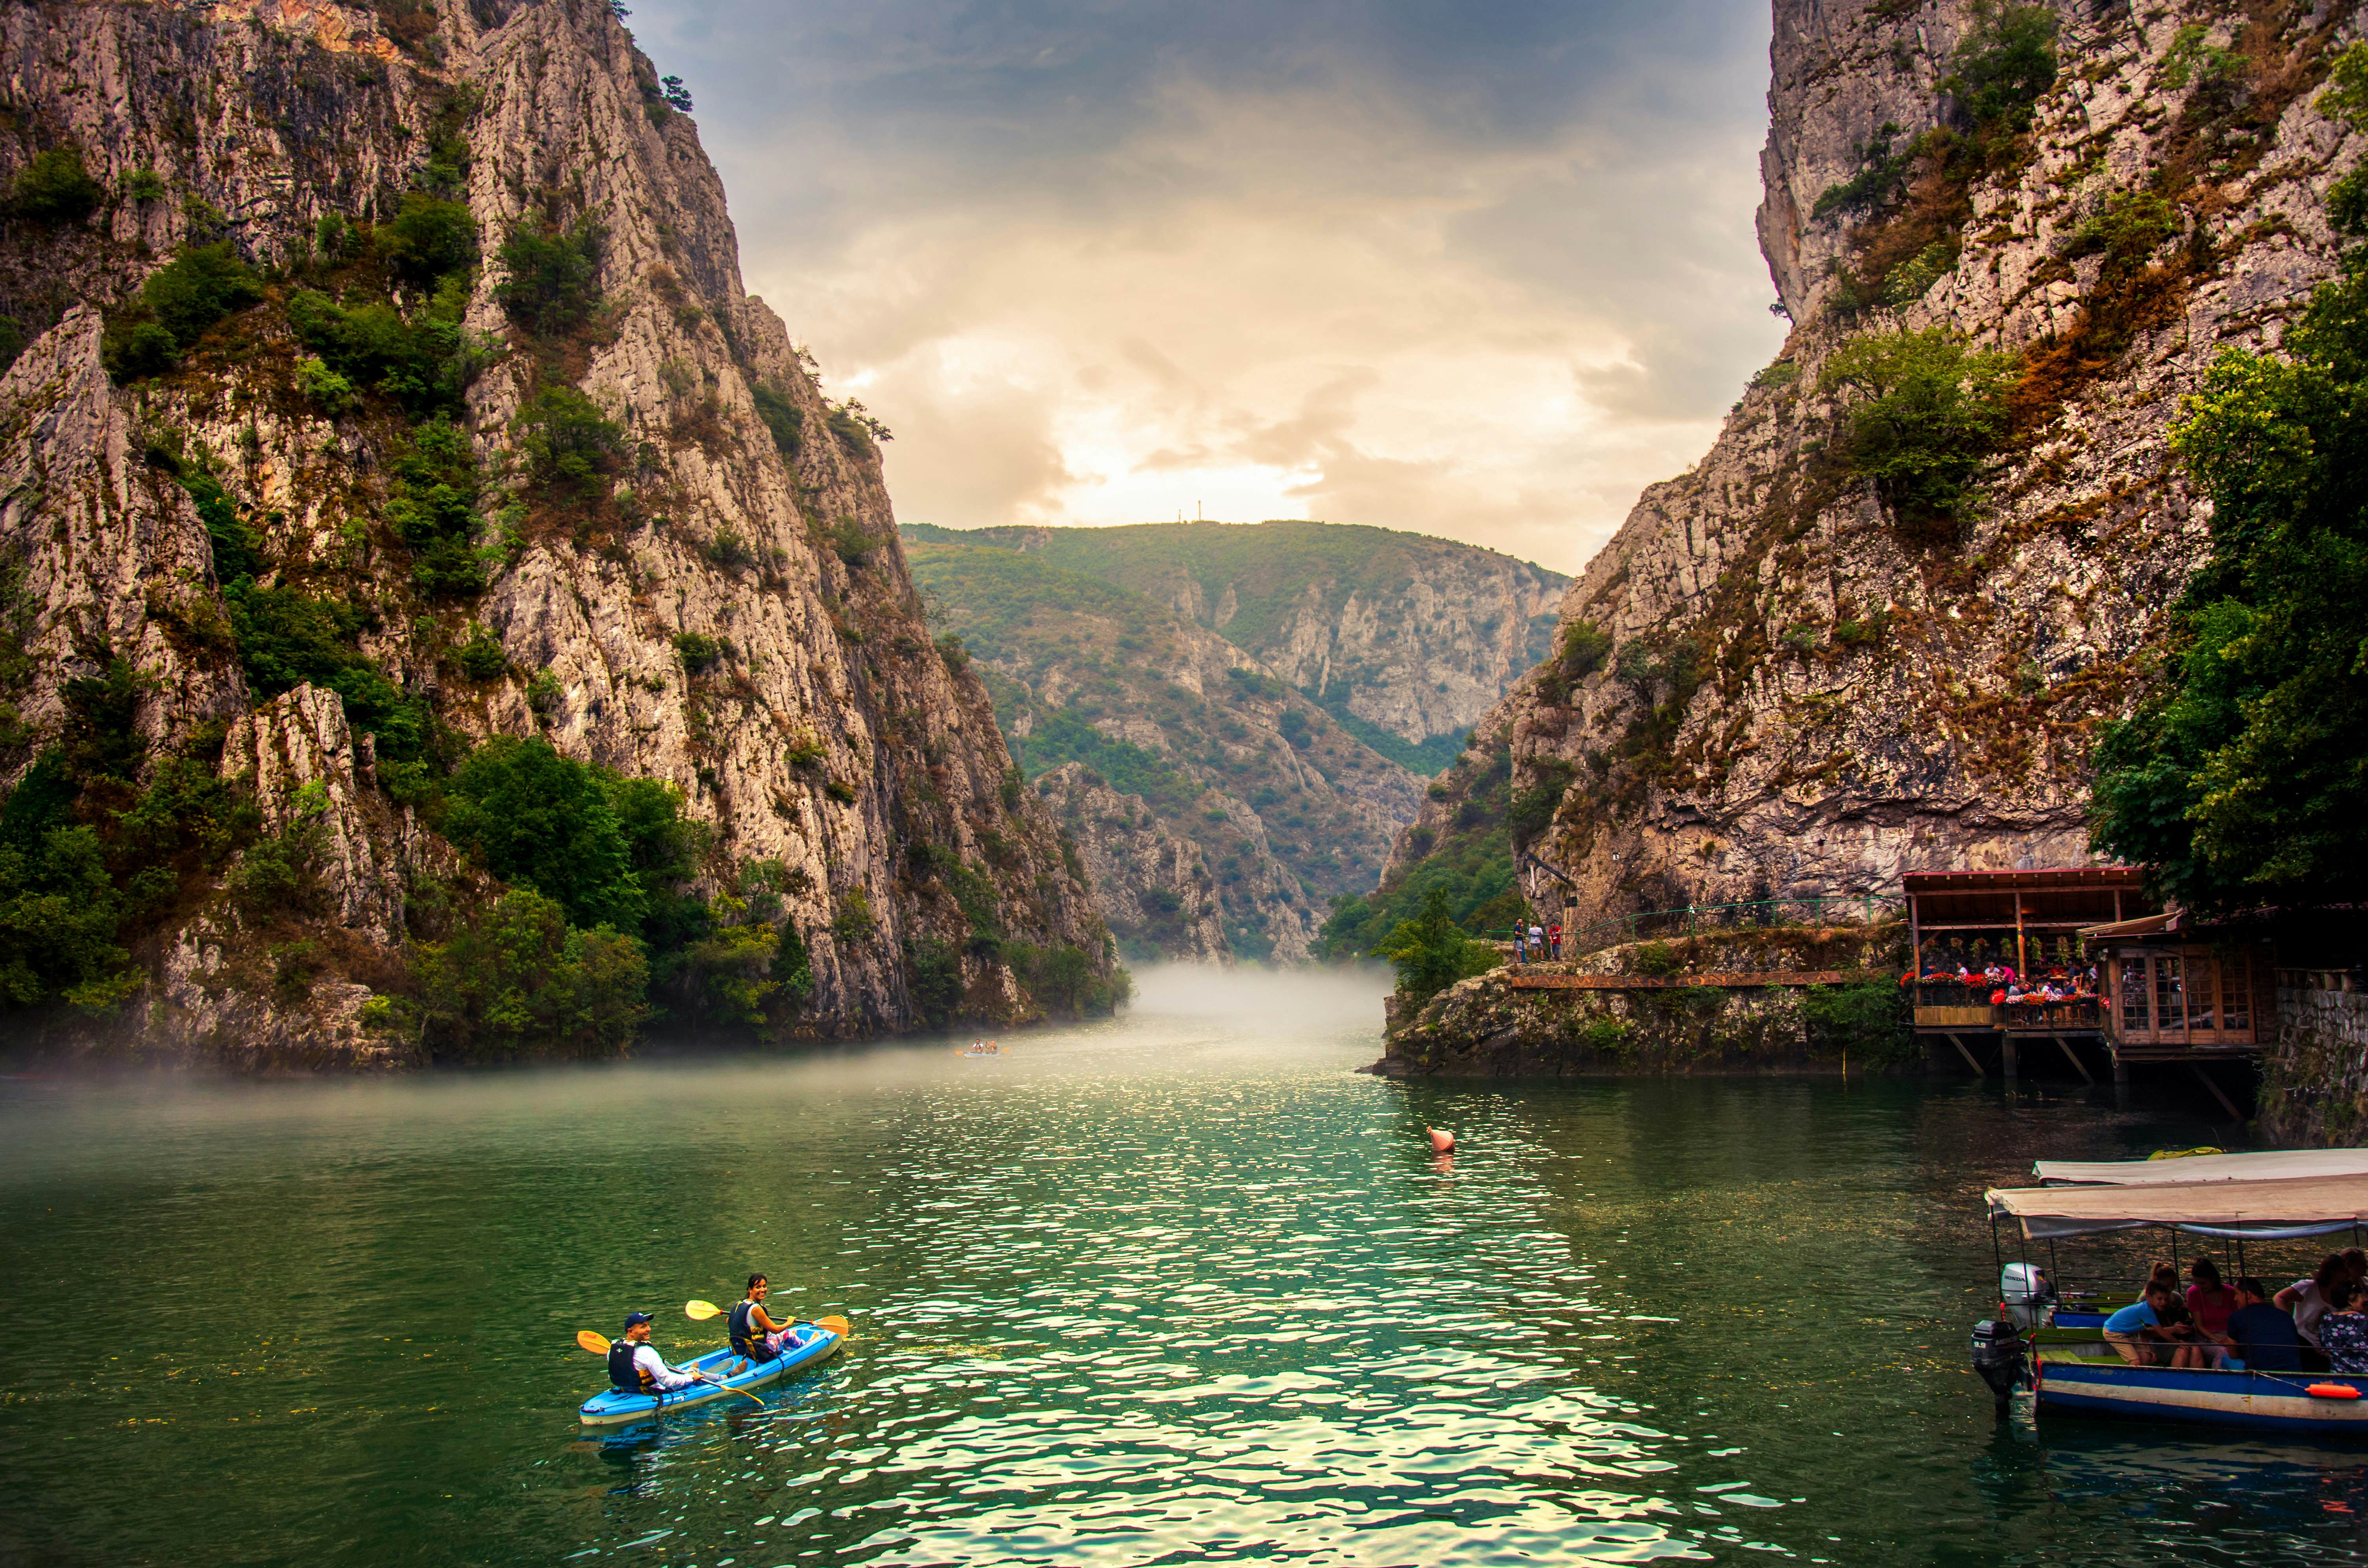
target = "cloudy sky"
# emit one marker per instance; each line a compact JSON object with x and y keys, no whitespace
{"x":1472,"y":269}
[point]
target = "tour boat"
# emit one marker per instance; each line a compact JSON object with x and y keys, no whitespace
{"x":2053,"y":1343}
{"x":808,"y":1345}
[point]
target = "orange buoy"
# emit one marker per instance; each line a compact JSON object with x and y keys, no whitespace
{"x":1441,"y":1141}
{"x":2332,"y":1391}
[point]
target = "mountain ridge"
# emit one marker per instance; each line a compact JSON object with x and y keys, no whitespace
{"x":1405,"y":638}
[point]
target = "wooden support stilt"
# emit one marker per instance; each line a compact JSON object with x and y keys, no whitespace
{"x":1968,"y":1055}
{"x":2205,"y":1079}
{"x":2006,"y":1055}
{"x":2074,"y":1057}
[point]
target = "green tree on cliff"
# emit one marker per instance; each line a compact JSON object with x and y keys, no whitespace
{"x":1431,"y":952}
{"x":2244,"y":781}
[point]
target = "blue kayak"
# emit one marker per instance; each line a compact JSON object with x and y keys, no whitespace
{"x":808,"y":1344}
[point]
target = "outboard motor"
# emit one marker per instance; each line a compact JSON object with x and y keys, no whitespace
{"x":2028,"y":1294}
{"x":1999,"y":1356}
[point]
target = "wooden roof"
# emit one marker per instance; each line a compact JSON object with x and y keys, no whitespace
{"x":2009,"y":881}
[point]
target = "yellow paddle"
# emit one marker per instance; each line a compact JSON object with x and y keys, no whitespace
{"x":699,"y":1312}
{"x":587,"y":1340}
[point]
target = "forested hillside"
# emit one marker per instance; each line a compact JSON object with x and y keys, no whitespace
{"x":1403,"y":639}
{"x":1254,"y":800}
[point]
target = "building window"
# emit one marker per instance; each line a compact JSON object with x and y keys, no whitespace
{"x":2169,"y":997}
{"x":2133,"y":995}
{"x":2199,"y":995}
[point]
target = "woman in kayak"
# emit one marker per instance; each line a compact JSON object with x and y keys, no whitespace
{"x":754,"y":1335}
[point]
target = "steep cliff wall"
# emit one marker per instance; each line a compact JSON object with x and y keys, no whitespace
{"x":1156,"y":890}
{"x":1404,"y":638}
{"x":1264,"y":807}
{"x":713,"y":595}
{"x":1780,"y":678}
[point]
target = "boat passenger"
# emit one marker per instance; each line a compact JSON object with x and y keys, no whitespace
{"x":2209,"y":1300}
{"x":754,"y":1335}
{"x":2344,"y":1331}
{"x":634,"y":1364}
{"x":2139,"y":1333}
{"x":2307,"y":1300}
{"x":2262,"y":1334}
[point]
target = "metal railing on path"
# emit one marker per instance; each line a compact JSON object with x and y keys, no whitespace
{"x":1708,"y":919}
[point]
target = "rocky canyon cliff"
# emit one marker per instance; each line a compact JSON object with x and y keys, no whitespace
{"x":1219,"y":812}
{"x":443,"y":613}
{"x":1807,"y":665}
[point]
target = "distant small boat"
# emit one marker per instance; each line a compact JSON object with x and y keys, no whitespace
{"x":982,"y":1047}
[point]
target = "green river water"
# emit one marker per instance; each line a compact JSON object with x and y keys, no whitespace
{"x":1178,"y":1288}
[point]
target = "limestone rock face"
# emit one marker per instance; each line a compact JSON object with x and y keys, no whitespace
{"x":1277,"y":801}
{"x":1417,"y":635}
{"x":826,"y":734}
{"x":1864,"y":698}
{"x":108,"y":549}
{"x":1425,"y":656}
{"x":1156,"y":891}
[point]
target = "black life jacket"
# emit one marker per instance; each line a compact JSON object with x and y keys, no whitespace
{"x":744,"y":1337}
{"x":628,"y":1377}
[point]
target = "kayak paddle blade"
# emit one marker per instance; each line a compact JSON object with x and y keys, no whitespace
{"x":839,"y":1327}
{"x":587,"y":1340}
{"x":701,"y":1310}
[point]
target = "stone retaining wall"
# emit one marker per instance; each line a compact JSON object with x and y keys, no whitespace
{"x":1684,"y":1011}
{"x":2315,"y":1077}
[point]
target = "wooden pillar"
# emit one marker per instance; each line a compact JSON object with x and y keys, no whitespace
{"x":2021,"y":964}
{"x":2074,"y":1057}
{"x":2006,"y":1053}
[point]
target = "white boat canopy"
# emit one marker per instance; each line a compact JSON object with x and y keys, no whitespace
{"x":2271,"y":1165}
{"x":2287,"y":1206}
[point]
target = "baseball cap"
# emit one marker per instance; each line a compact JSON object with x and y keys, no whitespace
{"x":632,"y":1318}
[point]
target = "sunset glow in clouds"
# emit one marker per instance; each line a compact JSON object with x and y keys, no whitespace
{"x":1480,"y":273}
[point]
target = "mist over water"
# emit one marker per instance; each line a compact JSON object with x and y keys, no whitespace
{"x":1178,"y":1287}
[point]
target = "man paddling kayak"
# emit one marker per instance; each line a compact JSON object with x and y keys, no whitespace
{"x":635,"y":1366}
{"x":754,"y":1333}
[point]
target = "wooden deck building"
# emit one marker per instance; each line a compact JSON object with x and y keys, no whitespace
{"x":2032,"y":920}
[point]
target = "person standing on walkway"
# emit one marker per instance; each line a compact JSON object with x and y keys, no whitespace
{"x":1554,"y":942}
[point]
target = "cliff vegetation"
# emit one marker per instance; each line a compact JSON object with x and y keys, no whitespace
{"x":443,"y":617}
{"x":1949,"y":541}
